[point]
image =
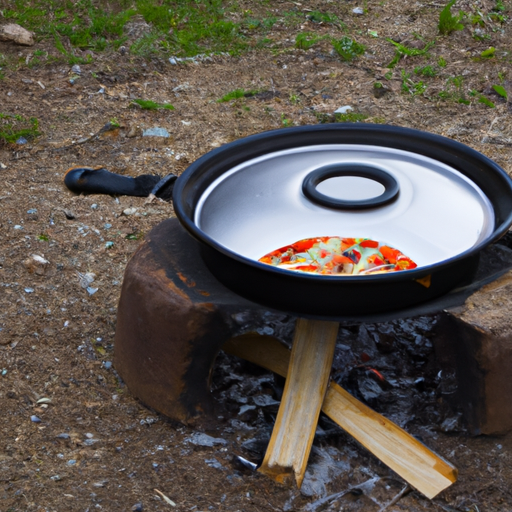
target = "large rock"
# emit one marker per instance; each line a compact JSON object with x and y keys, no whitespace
{"x":16,"y":34}
{"x":476,"y":340}
{"x":172,"y":320}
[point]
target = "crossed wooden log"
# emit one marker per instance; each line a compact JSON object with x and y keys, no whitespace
{"x":309,"y":390}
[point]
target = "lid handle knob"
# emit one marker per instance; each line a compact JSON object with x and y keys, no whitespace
{"x":314,"y":178}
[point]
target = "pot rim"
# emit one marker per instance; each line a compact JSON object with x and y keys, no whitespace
{"x":194,"y":180}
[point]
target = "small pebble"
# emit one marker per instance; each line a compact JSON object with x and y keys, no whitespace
{"x":31,"y":211}
{"x":21,"y":140}
{"x":71,"y":462}
{"x":107,"y":365}
{"x":343,"y":110}
{"x":107,"y":226}
{"x":129,"y":211}
{"x":94,"y":206}
{"x":156,"y":132}
{"x":358,"y":10}
{"x":109,"y":245}
{"x":29,"y":290}
{"x":18,"y":226}
{"x":4,"y":372}
{"x":173,"y":61}
{"x":76,"y":69}
{"x":63,"y":436}
{"x":91,"y":290}
{"x":138,"y":507}
{"x":35,"y":419}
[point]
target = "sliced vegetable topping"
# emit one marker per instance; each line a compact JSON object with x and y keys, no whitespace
{"x":335,"y":255}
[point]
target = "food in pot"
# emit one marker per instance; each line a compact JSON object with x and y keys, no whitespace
{"x":332,"y":255}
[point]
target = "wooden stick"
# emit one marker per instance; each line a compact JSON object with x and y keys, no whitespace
{"x":412,"y":460}
{"x":306,"y":384}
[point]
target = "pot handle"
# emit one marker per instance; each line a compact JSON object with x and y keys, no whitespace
{"x":314,"y":178}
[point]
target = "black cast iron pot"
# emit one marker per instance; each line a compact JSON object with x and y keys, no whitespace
{"x":436,"y":200}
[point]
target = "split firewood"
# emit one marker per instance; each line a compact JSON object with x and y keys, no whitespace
{"x":413,"y":461}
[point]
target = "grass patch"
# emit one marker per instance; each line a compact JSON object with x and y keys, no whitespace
{"x":236,"y":94}
{"x":347,"y":117}
{"x":305,"y":40}
{"x":454,"y":90}
{"x":350,"y":117}
{"x":14,"y":126}
{"x":326,"y":18}
{"x":183,"y":28}
{"x":151,"y":105}
{"x":427,"y":71}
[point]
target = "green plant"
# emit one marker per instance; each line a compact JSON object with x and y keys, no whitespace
{"x":294,"y":98}
{"x":137,"y":235}
{"x":411,"y":87}
{"x":402,"y":51}
{"x":305,"y":40}
{"x":486,"y":101}
{"x":486,"y":54}
{"x":286,"y":122}
{"x":151,"y":105}
{"x":114,"y":123}
{"x":441,"y":62}
{"x":427,"y":71}
{"x":500,"y":6}
{"x":347,"y":48}
{"x":14,"y":126}
{"x":237,"y":93}
{"x":454,"y":90}
{"x":327,"y":17}
{"x":449,"y":23}
{"x":499,"y":89}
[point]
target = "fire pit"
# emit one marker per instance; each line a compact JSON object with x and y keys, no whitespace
{"x":254,"y":195}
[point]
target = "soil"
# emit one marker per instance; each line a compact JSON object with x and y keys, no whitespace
{"x":71,"y":435}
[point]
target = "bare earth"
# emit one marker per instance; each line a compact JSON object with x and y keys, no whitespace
{"x":97,"y":448}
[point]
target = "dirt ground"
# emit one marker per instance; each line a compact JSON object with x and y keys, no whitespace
{"x":71,"y":435}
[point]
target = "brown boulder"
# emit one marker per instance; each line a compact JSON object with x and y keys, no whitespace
{"x":16,"y":34}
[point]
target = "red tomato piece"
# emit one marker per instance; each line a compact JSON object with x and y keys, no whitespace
{"x":369,"y":243}
{"x":390,"y":254}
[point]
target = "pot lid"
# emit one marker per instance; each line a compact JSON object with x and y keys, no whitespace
{"x":428,"y":210}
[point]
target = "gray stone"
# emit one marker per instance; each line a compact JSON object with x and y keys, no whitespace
{"x":201,"y":439}
{"x":156,"y":132}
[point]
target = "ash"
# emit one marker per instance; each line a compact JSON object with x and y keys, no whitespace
{"x":389,"y":366}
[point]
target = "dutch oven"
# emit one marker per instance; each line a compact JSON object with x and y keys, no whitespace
{"x":434,"y":199}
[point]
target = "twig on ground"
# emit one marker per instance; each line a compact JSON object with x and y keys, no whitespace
{"x":397,"y":498}
{"x":166,"y":499}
